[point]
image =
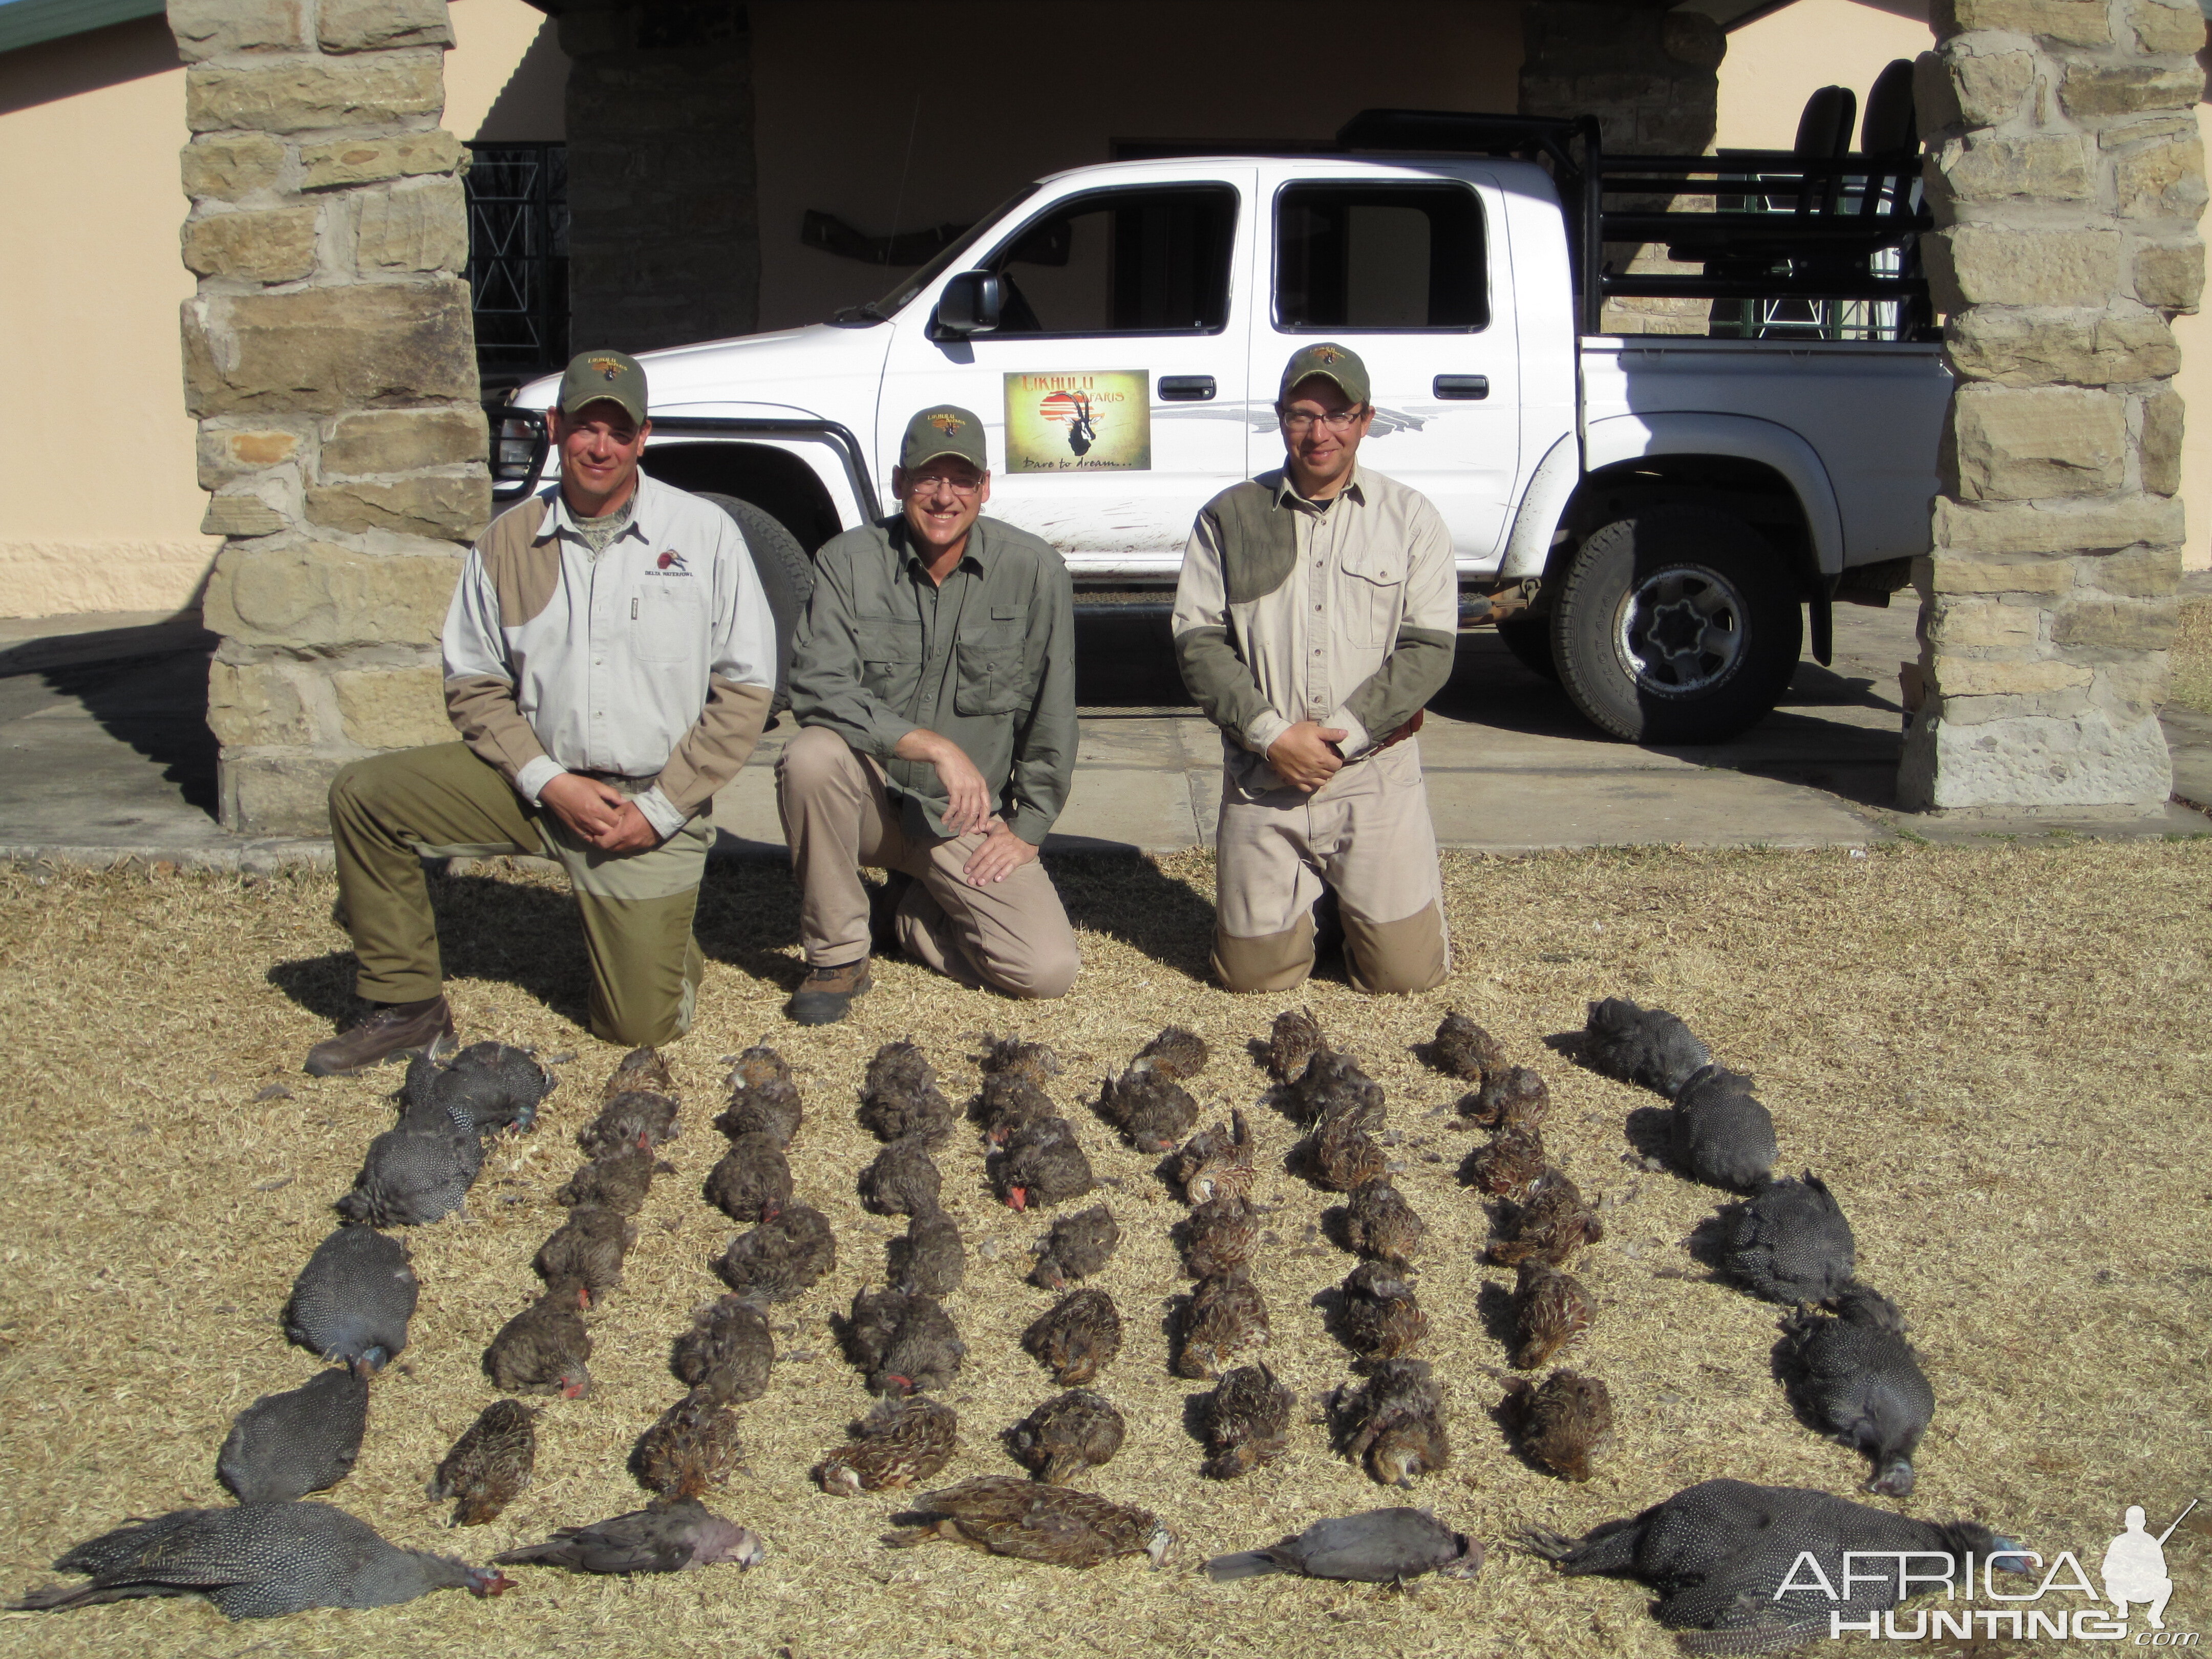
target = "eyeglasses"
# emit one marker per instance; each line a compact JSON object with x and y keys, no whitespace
{"x":928,"y":484}
{"x":1298,"y":422}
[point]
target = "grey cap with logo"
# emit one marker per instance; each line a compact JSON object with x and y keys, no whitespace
{"x":1337,"y":364}
{"x":947,"y":429}
{"x":614,"y":375}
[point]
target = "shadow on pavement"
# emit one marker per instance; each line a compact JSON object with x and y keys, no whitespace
{"x":157,"y":706}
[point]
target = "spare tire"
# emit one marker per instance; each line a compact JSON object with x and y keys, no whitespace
{"x":787,"y":576}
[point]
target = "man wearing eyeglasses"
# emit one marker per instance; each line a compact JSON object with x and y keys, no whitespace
{"x":933,"y":683}
{"x":1316,"y":617}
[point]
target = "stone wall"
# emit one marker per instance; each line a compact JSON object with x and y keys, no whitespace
{"x":1649,"y":76}
{"x":664,"y":209}
{"x":2066,"y":176}
{"x":330,"y":360}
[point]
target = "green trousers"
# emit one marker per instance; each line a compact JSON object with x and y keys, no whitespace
{"x":390,"y":812}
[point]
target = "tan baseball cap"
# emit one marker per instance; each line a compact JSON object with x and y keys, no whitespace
{"x":614,"y":375}
{"x":1338,"y":364}
{"x":947,"y":429}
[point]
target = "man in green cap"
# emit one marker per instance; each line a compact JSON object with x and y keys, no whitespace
{"x":1314,"y":618}
{"x":933,"y":683}
{"x":610,"y":658}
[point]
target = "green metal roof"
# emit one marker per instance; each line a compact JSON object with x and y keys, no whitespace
{"x":27,"y":22}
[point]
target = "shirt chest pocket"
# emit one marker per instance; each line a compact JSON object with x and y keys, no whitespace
{"x":668,"y":621}
{"x":995,"y":674}
{"x":890,"y":656}
{"x":1370,"y":595}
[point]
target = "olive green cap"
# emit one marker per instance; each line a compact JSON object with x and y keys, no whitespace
{"x":615,"y":375}
{"x":947,"y":429}
{"x":1331,"y":361}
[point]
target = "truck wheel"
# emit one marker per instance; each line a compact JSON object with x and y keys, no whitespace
{"x":1677,"y":624}
{"x":1529,"y":639}
{"x":786,"y":573}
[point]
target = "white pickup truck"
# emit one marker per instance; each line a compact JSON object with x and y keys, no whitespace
{"x":1644,"y":516}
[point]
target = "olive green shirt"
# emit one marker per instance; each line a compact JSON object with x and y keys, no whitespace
{"x":987,"y":661}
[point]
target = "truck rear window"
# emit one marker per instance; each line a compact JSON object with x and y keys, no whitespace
{"x":1384,"y":257}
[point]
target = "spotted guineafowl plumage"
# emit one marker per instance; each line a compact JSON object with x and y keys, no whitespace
{"x":1857,"y":1375}
{"x":286,"y":1445}
{"x":416,"y":1173}
{"x":353,"y":1299}
{"x":1789,"y":1242}
{"x":1646,"y":1046}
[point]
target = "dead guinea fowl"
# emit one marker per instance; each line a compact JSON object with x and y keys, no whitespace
{"x":1008,"y":1100}
{"x":1563,"y":1422}
{"x":1381,"y":1224}
{"x":286,"y":1445}
{"x":751,"y":1182}
{"x":416,"y":1174}
{"x":1380,"y":1319}
{"x":1719,"y":1553}
{"x":1067,"y":1436}
{"x":353,"y":1299}
{"x":542,"y":1350}
{"x":1392,"y":1425}
{"x":1292,"y":1041}
{"x":1151,"y":1108}
{"x":640,"y":1069}
{"x":1342,"y":1156}
{"x":1246,"y":1421}
{"x":779,"y":1259}
{"x":1382,"y":1547}
{"x":619,"y":1182}
{"x":1078,"y":1339}
{"x":1216,"y":1160}
{"x":257,"y":1561}
{"x":485,"y":1088}
{"x":1462,"y":1050}
{"x":1721,"y":1135}
{"x":588,"y":1247}
{"x":728,"y":1353}
{"x":1508,"y":1166}
{"x":1789,"y":1242}
{"x":900,"y":1443}
{"x":489,"y":1464}
{"x":1552,"y":1223}
{"x":1510,"y":1098}
{"x":1646,"y":1046}
{"x":634,"y":1118}
{"x":1061,"y":1526}
{"x":693,"y":1446}
{"x":1078,"y":1246}
{"x":1224,"y":1324}
{"x":1218,"y":1236}
{"x":1013,"y":1057}
{"x":1855,"y":1374}
{"x":902,"y":1180}
{"x":927,"y":1259}
{"x":1550,"y":1310}
{"x":666,"y":1538}
{"x":1331,"y":1084}
{"x":1175,"y":1053}
{"x":903,"y":1344}
{"x":1041,"y":1165}
{"x":770,"y":1109}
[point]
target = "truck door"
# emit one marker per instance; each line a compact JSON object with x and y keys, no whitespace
{"x":1407,"y":272}
{"x":1115,"y":387}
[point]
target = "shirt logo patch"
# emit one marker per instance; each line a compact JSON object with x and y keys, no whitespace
{"x":671,"y":561}
{"x":946,"y":423}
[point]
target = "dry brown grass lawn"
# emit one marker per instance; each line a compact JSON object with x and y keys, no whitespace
{"x":1997,"y":1056}
{"x":2192,"y":656}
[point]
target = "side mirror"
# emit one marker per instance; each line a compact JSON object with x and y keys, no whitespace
{"x":969,"y":305}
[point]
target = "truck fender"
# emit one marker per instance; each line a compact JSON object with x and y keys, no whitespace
{"x":1620,"y":438}
{"x":1543,"y":504}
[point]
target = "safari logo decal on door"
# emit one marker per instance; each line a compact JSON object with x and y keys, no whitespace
{"x":1079,"y":423}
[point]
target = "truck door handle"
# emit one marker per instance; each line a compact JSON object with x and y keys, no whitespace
{"x":1468,"y":387}
{"x":1186,"y":388}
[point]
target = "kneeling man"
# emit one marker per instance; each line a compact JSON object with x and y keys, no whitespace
{"x":933,"y":683}
{"x":1316,"y":617}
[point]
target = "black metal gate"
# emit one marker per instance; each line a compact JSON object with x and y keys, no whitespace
{"x":518,"y":194}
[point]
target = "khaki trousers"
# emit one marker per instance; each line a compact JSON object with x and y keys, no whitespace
{"x":1012,"y":935}
{"x":390,"y":812}
{"x":1366,"y":833}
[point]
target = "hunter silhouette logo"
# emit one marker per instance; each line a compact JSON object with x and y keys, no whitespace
{"x":1088,"y":421}
{"x":946,"y":423}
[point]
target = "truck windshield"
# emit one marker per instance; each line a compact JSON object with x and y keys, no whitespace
{"x":882,"y":310}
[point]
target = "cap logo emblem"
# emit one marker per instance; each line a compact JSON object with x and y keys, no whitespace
{"x":946,"y":423}
{"x":608,"y":367}
{"x":1325,"y":354}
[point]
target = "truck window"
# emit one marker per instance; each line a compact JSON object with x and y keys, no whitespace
{"x":1122,"y":261}
{"x":1355,"y":257}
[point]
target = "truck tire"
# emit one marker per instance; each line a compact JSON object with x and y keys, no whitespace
{"x":1676,"y":624}
{"x":786,"y":573}
{"x":1529,"y":639}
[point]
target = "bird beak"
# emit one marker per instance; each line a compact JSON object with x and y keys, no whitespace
{"x":1018,"y":1198}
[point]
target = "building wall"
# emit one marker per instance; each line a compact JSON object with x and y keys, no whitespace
{"x":1775,"y":64}
{"x":105,"y":500}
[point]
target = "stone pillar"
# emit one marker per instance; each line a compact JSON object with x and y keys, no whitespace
{"x":330,"y":357}
{"x":2066,"y":177}
{"x":1649,"y":76}
{"x":663,"y":208}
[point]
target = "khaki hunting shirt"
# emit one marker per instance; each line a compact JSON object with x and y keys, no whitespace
{"x":654,"y":658}
{"x":987,"y":661}
{"x":1344,"y":613}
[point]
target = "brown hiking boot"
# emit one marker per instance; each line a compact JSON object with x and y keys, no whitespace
{"x":393,"y":1031}
{"x":826,"y":994}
